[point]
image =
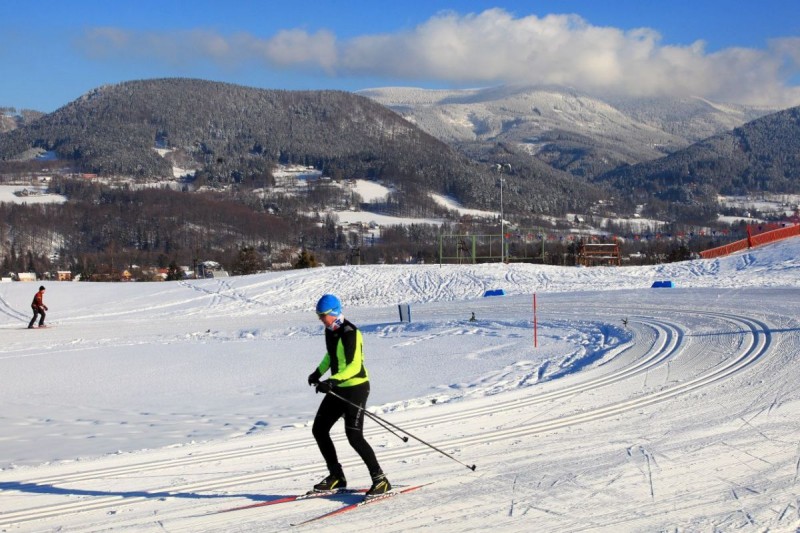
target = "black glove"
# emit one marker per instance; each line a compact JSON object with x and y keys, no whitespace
{"x":313,"y":378}
{"x":324,"y":387}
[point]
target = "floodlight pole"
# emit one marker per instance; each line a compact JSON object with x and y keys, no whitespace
{"x":502,"y":220}
{"x":500,"y":168}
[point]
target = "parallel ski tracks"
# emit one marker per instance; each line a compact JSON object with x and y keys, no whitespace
{"x":761,"y":341}
{"x":666,"y":337}
{"x":663,"y":340}
{"x":9,"y":310}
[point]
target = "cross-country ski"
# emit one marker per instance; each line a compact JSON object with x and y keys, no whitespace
{"x":362,"y":503}
{"x":295,"y":498}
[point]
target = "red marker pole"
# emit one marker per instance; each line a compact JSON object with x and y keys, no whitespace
{"x":535,"y":336}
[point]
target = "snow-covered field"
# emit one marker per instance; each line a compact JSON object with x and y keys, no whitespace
{"x":37,"y":195}
{"x":149,"y":407}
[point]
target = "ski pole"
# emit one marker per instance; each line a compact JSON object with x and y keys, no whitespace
{"x":381,"y":424}
{"x":387,"y":428}
{"x":377,"y":418}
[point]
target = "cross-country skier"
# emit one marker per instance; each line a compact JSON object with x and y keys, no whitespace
{"x":38,"y":308}
{"x":349,"y":379}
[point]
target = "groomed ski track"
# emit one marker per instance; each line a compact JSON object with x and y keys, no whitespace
{"x":667,"y":360}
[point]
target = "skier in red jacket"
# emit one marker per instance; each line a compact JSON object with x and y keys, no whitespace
{"x":38,"y":308}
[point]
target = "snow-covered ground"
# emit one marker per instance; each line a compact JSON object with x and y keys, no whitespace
{"x":37,"y":195}
{"x":150,"y":407}
{"x":177,"y":172}
{"x":453,"y":204}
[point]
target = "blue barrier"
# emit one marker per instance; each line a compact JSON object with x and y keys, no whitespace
{"x":662,"y":285}
{"x":494,"y":292}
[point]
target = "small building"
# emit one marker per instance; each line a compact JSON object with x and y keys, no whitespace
{"x":594,"y":254}
{"x":64,"y":275}
{"x":210,"y":269}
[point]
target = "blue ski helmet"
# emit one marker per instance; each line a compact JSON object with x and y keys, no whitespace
{"x":329,"y":305}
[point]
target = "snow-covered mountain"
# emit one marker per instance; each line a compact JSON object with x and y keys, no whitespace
{"x":562,"y":126}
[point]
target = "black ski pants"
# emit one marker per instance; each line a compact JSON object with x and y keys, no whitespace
{"x":36,"y":312}
{"x":332,"y":409}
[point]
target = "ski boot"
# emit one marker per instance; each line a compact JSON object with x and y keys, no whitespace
{"x":331,"y":483}
{"x":380,"y":486}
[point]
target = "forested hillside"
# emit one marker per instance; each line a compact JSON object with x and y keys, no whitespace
{"x":232,"y":134}
{"x":760,"y":156}
{"x":231,"y":138}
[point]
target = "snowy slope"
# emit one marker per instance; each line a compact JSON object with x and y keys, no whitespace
{"x":640,"y":129}
{"x":152,"y":406}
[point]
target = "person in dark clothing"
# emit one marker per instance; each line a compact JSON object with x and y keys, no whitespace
{"x":349,"y":379}
{"x":38,"y":308}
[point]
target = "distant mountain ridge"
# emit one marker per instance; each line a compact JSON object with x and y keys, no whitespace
{"x":580,"y":133}
{"x":559,"y":150}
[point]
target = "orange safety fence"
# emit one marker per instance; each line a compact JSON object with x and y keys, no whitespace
{"x":774,"y":235}
{"x":752,"y":240}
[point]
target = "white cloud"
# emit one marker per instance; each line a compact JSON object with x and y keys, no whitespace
{"x":173,"y":48}
{"x":299,"y":48}
{"x":494,"y":47}
{"x":288,"y":48}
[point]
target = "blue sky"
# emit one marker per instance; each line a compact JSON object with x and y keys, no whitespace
{"x":52,"y":52}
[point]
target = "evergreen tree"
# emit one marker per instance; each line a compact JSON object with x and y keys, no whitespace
{"x":174,"y":273}
{"x":248,"y":261}
{"x":306,"y":260}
